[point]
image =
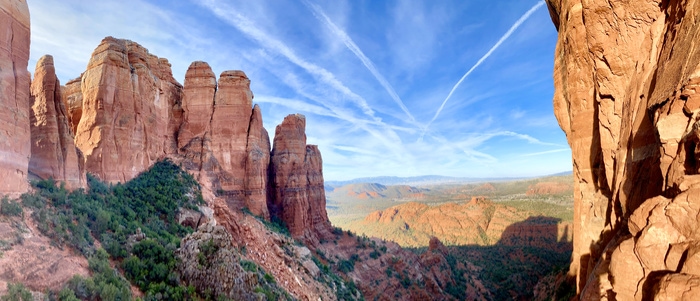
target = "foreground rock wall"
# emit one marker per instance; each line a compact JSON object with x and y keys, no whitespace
{"x":14,"y":96}
{"x":626,"y":75}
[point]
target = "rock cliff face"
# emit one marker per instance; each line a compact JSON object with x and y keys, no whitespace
{"x":53,"y":153}
{"x":14,"y":96}
{"x":626,"y":76}
{"x":128,"y":101}
{"x":72,"y":98}
{"x":297,"y":182}
{"x":229,"y":135}
{"x":256,"y":167}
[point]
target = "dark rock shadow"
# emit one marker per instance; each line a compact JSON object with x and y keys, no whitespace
{"x":528,"y":252}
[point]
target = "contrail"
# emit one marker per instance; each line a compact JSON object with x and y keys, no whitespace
{"x":247,"y":27}
{"x":510,"y":31}
{"x":321,"y":16}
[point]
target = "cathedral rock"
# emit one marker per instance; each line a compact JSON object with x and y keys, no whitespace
{"x":126,"y":112}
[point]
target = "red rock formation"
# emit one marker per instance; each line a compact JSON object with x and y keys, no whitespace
{"x":256,"y":167}
{"x":198,"y":107}
{"x":229,"y":135}
{"x":127,"y":110}
{"x":72,"y":98}
{"x":320,"y":225}
{"x":626,"y":76}
{"x":53,"y":154}
{"x":476,"y":222}
{"x":299,"y":197}
{"x":14,"y":96}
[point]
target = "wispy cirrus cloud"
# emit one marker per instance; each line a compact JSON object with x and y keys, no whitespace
{"x":350,"y":44}
{"x":367,"y":74}
{"x":508,"y":33}
{"x":559,"y":150}
{"x":247,"y":27}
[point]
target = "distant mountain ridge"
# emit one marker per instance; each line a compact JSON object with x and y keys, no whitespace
{"x":428,"y":180}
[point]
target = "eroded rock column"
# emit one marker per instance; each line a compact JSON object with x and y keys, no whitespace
{"x":53,"y":153}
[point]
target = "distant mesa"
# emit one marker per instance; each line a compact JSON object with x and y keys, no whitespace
{"x":549,"y":188}
{"x":369,"y":191}
{"x":478,"y":221}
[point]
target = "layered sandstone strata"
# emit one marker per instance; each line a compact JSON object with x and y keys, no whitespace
{"x":229,"y":135}
{"x":53,"y":153}
{"x":198,"y":107}
{"x":626,"y":79}
{"x":14,"y":96}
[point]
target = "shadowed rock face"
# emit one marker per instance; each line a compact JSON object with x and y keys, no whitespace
{"x":53,"y":153}
{"x":72,"y":98}
{"x":14,"y":96}
{"x":626,"y":76}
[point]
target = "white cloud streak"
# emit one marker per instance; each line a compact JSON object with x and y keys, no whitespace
{"x":350,"y":44}
{"x":510,"y":31}
{"x":546,"y":152}
{"x":248,"y":28}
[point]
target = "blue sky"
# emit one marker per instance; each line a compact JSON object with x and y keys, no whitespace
{"x":372,"y":77}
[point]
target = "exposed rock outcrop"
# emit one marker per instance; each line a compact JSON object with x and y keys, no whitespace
{"x":297,"y":182}
{"x":208,"y":262}
{"x":229,"y":135}
{"x":53,"y":153}
{"x":476,"y":222}
{"x":129,"y":107}
{"x":198,"y":106}
{"x":626,"y":78}
{"x":72,"y":98}
{"x":14,"y":96}
{"x":257,"y":165}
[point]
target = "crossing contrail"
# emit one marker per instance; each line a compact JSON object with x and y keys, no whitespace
{"x":318,"y":12}
{"x":510,"y":31}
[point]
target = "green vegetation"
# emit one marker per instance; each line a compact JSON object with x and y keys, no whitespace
{"x":105,"y":284}
{"x":115,"y":213}
{"x":344,"y":289}
{"x":17,"y":292}
{"x":510,"y":272}
{"x":10,"y":208}
{"x":562,"y":212}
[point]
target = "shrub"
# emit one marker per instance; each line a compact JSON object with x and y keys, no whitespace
{"x":10,"y":208}
{"x":17,"y":292}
